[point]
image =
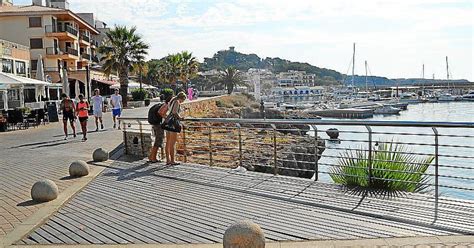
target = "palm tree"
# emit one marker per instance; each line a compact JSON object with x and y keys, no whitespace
{"x":122,"y":50}
{"x":152,"y":75}
{"x":230,"y":78}
{"x":140,"y":69}
{"x":188,"y":68}
{"x":170,"y":69}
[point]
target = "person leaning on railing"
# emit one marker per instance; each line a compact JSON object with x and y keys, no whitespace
{"x":172,"y":126}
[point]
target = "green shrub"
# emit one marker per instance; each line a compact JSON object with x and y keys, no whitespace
{"x":139,"y":94}
{"x":394,"y":168}
{"x":165,"y":93}
{"x":224,"y":104}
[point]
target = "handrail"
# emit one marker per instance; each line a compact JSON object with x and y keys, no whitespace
{"x":326,"y":122}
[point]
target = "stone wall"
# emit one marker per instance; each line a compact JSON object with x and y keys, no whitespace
{"x":137,"y":144}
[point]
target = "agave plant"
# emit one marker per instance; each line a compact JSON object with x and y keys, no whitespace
{"x":394,"y":168}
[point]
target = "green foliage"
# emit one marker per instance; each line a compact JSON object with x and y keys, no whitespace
{"x":230,"y":78}
{"x":224,"y":104}
{"x":123,"y":49}
{"x":166,"y":93}
{"x":180,"y":66}
{"x":139,"y":94}
{"x":243,"y":62}
{"x":394,"y":168}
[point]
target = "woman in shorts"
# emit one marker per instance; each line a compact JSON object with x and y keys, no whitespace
{"x":82,"y":110}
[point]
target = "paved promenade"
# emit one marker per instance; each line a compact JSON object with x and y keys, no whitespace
{"x":41,"y":153}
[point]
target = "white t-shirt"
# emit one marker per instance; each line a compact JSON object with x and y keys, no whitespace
{"x":97,"y":102}
{"x":116,"y":101}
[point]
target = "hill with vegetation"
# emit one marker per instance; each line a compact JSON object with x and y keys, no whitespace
{"x":243,"y":62}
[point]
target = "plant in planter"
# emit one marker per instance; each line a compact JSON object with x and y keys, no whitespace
{"x":139,"y":95}
{"x":394,"y":168}
{"x":147,"y":102}
{"x":165,"y":93}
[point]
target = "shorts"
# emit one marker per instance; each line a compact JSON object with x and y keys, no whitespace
{"x":116,"y":112}
{"x":82,"y":119}
{"x":159,"y":135}
{"x":97,"y":112}
{"x":68,"y":115}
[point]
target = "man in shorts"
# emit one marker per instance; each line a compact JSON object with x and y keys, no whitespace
{"x":116,"y":102}
{"x":97,"y":106}
{"x":68,"y":109}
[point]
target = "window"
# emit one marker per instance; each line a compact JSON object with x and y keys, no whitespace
{"x":20,"y":67}
{"x":7,"y":65}
{"x":36,"y":43}
{"x":35,"y":22}
{"x":34,"y":64}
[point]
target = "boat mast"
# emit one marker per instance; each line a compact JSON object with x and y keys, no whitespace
{"x":353,"y":63}
{"x":366,"y":85}
{"x":447,"y":72}
{"x":423,"y":77}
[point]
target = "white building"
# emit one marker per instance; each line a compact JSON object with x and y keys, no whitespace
{"x":298,"y":91}
{"x":296,"y":78}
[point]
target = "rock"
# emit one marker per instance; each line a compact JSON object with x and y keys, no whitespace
{"x":78,"y":168}
{"x":333,"y":133}
{"x":244,"y":234}
{"x":100,"y":155}
{"x":44,"y":190}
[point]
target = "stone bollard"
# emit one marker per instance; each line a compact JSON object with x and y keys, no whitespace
{"x":44,"y":190}
{"x":78,"y":168}
{"x":244,"y":234}
{"x":333,"y":133}
{"x":100,"y":155}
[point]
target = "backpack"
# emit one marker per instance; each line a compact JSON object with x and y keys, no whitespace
{"x":153,"y":117}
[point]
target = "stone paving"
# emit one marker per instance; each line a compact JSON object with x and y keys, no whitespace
{"x":41,"y":153}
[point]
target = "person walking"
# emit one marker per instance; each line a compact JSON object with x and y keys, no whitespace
{"x":97,"y":106}
{"x":173,"y":127}
{"x":155,"y":116}
{"x":116,"y":102}
{"x":68,"y":109}
{"x":82,"y":110}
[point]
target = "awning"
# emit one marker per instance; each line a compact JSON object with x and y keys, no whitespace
{"x":108,"y":82}
{"x":7,"y":78}
{"x":133,"y":85}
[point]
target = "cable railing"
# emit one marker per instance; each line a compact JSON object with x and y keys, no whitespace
{"x":427,"y":157}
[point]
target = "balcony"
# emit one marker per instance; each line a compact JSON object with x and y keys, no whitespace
{"x":68,"y":53}
{"x":61,"y":32}
{"x":95,"y":59}
{"x":86,"y":56}
{"x":84,"y":39}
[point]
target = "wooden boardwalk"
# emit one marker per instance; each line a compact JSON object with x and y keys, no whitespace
{"x":136,"y":202}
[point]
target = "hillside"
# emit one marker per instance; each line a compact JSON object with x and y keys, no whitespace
{"x":226,"y":58}
{"x":241,"y":61}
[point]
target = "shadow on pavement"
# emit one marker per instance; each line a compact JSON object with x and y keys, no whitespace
{"x":28,"y":203}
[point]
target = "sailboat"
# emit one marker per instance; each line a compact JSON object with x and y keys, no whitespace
{"x":447,"y":97}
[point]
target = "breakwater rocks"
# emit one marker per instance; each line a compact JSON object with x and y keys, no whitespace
{"x":295,"y":155}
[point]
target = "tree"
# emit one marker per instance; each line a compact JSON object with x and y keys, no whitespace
{"x":231,"y":78}
{"x":169,"y":70}
{"x":152,"y":75}
{"x":189,"y":68}
{"x":122,"y":49}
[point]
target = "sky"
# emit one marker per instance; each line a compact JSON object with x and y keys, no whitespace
{"x":395,"y":37}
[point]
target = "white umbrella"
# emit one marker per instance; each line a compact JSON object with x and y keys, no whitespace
{"x":76,"y":88}
{"x":40,"y":89}
{"x":65,"y":80}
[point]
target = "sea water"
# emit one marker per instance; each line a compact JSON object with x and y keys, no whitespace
{"x":452,"y":177}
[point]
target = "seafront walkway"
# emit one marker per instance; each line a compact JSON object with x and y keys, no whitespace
{"x":129,"y":201}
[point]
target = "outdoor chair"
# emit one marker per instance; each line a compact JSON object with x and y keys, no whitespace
{"x":31,"y":119}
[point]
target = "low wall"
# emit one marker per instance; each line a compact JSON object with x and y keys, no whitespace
{"x":139,"y":144}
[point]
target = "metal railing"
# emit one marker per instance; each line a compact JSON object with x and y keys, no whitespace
{"x":86,"y":56}
{"x":84,"y":38}
{"x":60,"y":29}
{"x":59,"y":51}
{"x":430,"y":157}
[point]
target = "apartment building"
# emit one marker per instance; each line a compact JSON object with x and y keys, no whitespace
{"x":296,"y":78}
{"x":60,"y":36}
{"x":14,"y":58}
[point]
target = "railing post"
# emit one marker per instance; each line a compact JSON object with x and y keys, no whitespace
{"x":141,"y":138}
{"x":316,"y":153}
{"x":436,"y":162}
{"x":239,"y":129}
{"x":184,"y":144}
{"x":275,"y":164}
{"x":369,"y":162}
{"x":210,"y":144}
{"x":125,"y":137}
